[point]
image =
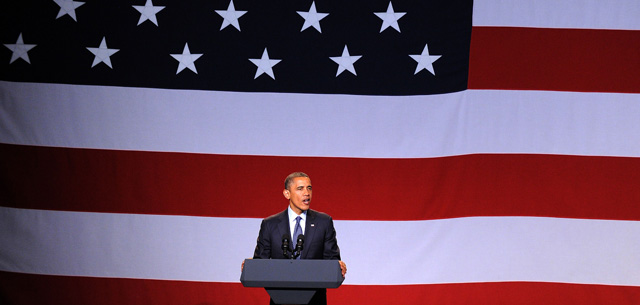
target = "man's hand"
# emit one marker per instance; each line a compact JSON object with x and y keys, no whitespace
{"x":242,"y":268}
{"x":343,"y":267}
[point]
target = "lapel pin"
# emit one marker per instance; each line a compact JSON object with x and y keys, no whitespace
{"x":313,"y":224}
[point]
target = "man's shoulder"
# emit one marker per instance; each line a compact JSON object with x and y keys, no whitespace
{"x":318,"y":215}
{"x":276,"y":217}
{"x":313,"y":214}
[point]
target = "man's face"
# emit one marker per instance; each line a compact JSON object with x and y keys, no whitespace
{"x":299,"y":194}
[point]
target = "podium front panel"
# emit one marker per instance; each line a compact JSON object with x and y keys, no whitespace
{"x":286,"y":273}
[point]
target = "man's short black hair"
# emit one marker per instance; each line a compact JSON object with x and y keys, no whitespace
{"x":289,"y":179}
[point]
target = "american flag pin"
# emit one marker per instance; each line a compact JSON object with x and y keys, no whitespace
{"x":313,"y":224}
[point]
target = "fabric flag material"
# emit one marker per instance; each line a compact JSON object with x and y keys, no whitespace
{"x":142,"y":143}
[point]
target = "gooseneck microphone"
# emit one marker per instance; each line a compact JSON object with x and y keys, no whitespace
{"x":285,"y":245}
{"x":299,"y":246}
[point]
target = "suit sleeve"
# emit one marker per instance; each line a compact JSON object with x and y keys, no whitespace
{"x":331,"y":249}
{"x":263,"y":246}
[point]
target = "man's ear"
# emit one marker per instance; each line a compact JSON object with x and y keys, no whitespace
{"x":286,"y":194}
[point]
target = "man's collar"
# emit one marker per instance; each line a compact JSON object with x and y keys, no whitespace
{"x":293,"y":215}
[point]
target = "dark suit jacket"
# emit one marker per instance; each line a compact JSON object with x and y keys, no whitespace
{"x":319,"y":242}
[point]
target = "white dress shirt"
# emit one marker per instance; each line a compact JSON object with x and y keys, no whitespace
{"x":292,"y":222}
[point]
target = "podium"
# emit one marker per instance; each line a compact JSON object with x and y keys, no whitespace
{"x":291,"y":281}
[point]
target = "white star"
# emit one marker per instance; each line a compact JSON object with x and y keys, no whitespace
{"x":312,"y":18}
{"x":19,"y":50}
{"x":425,"y":61}
{"x":389,"y":18}
{"x":68,"y":7}
{"x":230,"y":16}
{"x":264,"y":64}
{"x":102,"y":53}
{"x":148,"y":12}
{"x":186,"y":59}
{"x":345,"y":62}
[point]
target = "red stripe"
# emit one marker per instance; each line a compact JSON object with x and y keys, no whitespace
{"x":555,"y":59}
{"x":507,"y":293}
{"x":17,"y":288}
{"x":347,"y":188}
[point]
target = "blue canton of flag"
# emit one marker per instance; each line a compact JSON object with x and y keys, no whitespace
{"x":376,"y":47}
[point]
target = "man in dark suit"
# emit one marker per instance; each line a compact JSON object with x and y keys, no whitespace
{"x":317,"y":227}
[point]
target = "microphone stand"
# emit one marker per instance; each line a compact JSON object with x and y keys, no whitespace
{"x":298,"y":250}
{"x":285,"y":246}
{"x":295,"y":254}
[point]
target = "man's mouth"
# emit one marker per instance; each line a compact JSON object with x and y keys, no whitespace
{"x":306,"y":201}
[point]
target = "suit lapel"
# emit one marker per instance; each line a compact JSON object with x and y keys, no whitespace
{"x":310,"y":230}
{"x":283,"y":226}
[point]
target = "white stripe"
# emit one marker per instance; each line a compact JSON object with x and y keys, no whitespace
{"x":581,"y":14}
{"x":125,"y":245}
{"x":475,"y":249}
{"x":474,"y":121}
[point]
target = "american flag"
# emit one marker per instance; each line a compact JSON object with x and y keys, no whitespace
{"x":470,"y":152}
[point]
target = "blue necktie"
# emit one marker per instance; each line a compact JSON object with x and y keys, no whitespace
{"x":297,"y":231}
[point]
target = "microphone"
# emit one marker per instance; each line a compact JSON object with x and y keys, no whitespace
{"x":285,"y":245}
{"x":299,"y":244}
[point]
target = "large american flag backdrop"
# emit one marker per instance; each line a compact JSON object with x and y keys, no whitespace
{"x":470,"y":152}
